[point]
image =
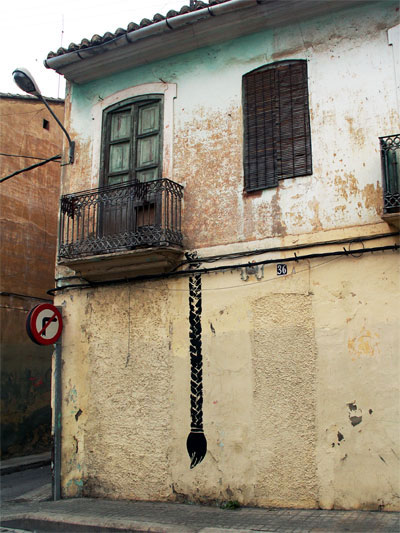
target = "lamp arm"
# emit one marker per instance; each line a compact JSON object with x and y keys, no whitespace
{"x":70,"y":141}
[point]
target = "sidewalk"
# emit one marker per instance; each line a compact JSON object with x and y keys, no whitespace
{"x":35,"y":511}
{"x":86,"y":515}
{"x":16,"y":464}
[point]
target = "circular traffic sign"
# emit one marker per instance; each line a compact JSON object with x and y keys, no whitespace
{"x":44,"y":324}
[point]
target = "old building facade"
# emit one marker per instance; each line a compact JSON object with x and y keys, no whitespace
{"x":29,"y":206}
{"x":228,"y":263}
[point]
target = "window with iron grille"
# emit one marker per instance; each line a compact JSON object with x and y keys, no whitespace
{"x":390,"y":155}
{"x":132,"y":141}
{"x":277,"y":138}
{"x":131,"y":154}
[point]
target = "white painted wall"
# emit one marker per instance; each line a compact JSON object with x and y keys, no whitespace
{"x":352,"y":88}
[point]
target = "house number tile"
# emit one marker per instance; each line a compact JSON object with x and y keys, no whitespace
{"x":281,"y":269}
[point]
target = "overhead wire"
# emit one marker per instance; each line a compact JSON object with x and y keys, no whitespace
{"x":24,"y":156}
{"x":251,"y":283}
{"x":188,"y":272}
{"x":31,"y":167}
{"x":247,"y":253}
{"x":22,"y":113}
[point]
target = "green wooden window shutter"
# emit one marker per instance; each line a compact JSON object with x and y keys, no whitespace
{"x":148,"y":141}
{"x":277,"y":139}
{"x":132,"y":141}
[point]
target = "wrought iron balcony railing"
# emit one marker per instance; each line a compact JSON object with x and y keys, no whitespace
{"x":390,"y":154}
{"x":119,"y":218}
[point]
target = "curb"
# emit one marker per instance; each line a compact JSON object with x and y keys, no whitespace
{"x":11,"y":466}
{"x":84,"y":524}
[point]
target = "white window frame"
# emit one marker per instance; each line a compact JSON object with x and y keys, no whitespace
{"x":169,"y":91}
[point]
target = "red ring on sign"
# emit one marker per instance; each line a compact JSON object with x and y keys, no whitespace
{"x":31,"y":324}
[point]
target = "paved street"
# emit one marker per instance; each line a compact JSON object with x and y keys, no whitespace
{"x":17,"y":484}
{"x":26,"y":507}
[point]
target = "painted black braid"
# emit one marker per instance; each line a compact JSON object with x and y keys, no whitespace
{"x":196,"y":358}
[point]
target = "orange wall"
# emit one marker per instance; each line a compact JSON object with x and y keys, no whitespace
{"x":29,"y":201}
{"x":28,"y":218}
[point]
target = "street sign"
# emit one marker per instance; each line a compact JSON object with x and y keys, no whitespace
{"x":44,"y":324}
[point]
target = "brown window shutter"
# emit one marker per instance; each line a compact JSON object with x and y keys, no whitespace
{"x":276,"y":124}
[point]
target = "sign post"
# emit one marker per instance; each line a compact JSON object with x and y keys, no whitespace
{"x":57,"y":423}
{"x":44,"y":326}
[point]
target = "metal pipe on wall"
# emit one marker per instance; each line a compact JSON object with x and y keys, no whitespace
{"x":56,"y":463}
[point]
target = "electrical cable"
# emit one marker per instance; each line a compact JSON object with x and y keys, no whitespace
{"x":54,"y":158}
{"x":25,"y":296}
{"x":14,"y":308}
{"x":24,"y":156}
{"x":233,"y":255}
{"x":24,"y":113}
{"x":249,"y":283}
{"x":188,"y":272}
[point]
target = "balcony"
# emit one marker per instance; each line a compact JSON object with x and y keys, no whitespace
{"x":124,"y":230}
{"x":390,"y":155}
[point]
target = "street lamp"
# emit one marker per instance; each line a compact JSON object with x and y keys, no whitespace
{"x":25,"y":81}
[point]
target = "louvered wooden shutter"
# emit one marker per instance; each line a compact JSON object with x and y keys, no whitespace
{"x":277,"y":141}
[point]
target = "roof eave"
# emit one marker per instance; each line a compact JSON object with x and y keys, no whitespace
{"x":187,"y":32}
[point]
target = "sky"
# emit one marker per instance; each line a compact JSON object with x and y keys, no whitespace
{"x":30,"y":30}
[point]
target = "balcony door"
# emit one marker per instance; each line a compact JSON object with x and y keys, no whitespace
{"x":131,"y":157}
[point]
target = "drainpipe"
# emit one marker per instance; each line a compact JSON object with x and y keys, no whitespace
{"x":56,"y":478}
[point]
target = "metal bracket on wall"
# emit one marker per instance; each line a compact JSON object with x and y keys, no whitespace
{"x":256,"y":270}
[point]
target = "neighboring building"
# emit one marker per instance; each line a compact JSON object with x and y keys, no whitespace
{"x":28,"y":214}
{"x":252,"y":301}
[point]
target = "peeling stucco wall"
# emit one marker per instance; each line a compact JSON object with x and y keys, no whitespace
{"x":284,"y":362}
{"x":348,"y":114}
{"x":358,"y":366}
{"x":300,"y":372}
{"x":292,"y":416}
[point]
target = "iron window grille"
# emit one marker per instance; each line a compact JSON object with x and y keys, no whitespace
{"x":390,"y":156}
{"x":119,"y":218}
{"x":277,"y":136}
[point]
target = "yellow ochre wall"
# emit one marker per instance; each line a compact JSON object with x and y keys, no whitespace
{"x":300,"y":388}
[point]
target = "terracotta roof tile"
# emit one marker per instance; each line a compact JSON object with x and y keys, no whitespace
{"x":29,"y":97}
{"x":97,"y":40}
